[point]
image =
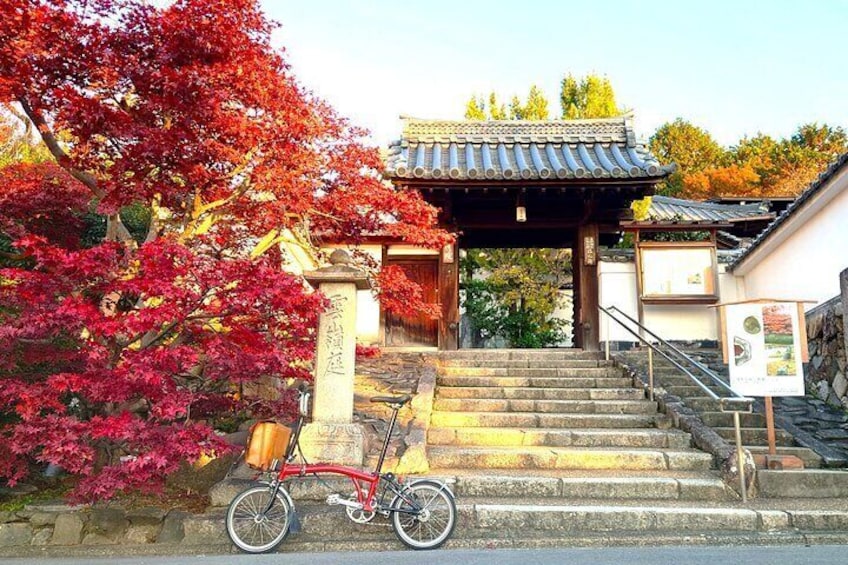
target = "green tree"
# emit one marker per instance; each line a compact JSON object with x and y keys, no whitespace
{"x":691,"y":148}
{"x":827,"y":141}
{"x":475,"y":109}
{"x":536,"y":107}
{"x":496,"y":111}
{"x":512,"y":294}
{"x":591,"y":97}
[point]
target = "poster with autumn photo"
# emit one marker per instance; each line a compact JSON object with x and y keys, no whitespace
{"x":764,"y":350}
{"x":779,"y":340}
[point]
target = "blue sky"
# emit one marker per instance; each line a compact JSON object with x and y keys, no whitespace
{"x":734,"y":68}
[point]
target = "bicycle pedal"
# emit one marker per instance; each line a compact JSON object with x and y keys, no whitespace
{"x":334,"y":499}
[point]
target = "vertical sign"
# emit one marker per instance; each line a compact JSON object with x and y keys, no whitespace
{"x":764,"y":347}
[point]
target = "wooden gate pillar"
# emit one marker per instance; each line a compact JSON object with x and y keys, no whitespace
{"x":585,"y":271}
{"x":449,"y":298}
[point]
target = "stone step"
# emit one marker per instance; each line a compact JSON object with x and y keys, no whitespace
{"x":596,"y":372}
{"x":679,"y":379}
{"x":518,"y":509}
{"x":689,"y":391}
{"x":540,"y":382}
{"x":809,"y":483}
{"x":541,"y":393}
{"x":529,"y":363}
{"x":564,"y":523}
{"x":725,"y":420}
{"x":600,"y":485}
{"x":552,"y":437}
{"x":574,"y":458}
{"x":519,"y":354}
{"x":534,"y":420}
{"x":655,"y":517}
{"x":811,"y":459}
{"x":523,"y":485}
{"x":757,"y":436}
{"x":546,"y":406}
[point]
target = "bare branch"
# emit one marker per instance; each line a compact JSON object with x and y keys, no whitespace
{"x":56,"y":150}
{"x":115,"y":229}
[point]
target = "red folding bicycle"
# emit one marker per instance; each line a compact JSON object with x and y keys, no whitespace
{"x":422,"y":512}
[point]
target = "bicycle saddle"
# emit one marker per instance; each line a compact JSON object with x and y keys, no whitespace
{"x":399,"y":400}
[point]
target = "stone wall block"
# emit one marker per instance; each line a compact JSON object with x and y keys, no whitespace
{"x":68,"y":529}
{"x":146,"y":516}
{"x":172,"y":528}
{"x":109,"y":522}
{"x":42,"y":536}
{"x":826,"y":344}
{"x":41,"y":519}
{"x":15,"y":534}
{"x":94,"y":538}
{"x":141,"y":534}
{"x":840,"y":384}
{"x":204,"y":530}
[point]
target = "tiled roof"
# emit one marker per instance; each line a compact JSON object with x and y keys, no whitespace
{"x":521,"y":150}
{"x":814,"y":188}
{"x":666,"y":209}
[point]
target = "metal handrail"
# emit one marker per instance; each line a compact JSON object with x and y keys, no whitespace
{"x":703,"y":368}
{"x":734,"y":403}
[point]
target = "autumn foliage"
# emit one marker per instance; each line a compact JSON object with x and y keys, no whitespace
{"x":117,"y":359}
{"x":757,"y":167}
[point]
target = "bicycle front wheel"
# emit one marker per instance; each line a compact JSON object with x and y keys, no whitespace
{"x":254,"y":525}
{"x":424,"y":515}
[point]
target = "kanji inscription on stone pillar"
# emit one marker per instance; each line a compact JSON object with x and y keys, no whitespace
{"x":331,"y":436}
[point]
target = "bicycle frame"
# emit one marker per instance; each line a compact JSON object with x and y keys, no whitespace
{"x":422,"y":512}
{"x":365,"y":498}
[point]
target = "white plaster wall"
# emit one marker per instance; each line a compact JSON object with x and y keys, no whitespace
{"x":367,"y":305}
{"x":617,"y":288}
{"x":671,"y":321}
{"x":807,"y":264}
{"x":565,"y":311}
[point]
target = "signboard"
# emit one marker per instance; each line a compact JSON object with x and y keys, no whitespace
{"x":670,"y":271}
{"x":765,"y":349}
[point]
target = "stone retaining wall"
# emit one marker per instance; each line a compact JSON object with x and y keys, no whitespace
{"x":59,"y":524}
{"x":826,"y":372}
{"x":395,"y":374}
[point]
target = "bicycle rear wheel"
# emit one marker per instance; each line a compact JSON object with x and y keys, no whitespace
{"x":424,"y":515}
{"x":253,"y":529}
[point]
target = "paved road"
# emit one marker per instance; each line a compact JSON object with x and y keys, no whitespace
{"x":790,"y":555}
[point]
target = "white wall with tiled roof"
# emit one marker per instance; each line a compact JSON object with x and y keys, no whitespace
{"x":801,"y":258}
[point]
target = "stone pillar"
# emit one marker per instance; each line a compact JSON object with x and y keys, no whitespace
{"x":331,"y":436}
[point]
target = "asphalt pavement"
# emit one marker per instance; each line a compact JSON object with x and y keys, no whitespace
{"x":696,"y":555}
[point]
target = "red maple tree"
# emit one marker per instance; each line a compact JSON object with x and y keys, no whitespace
{"x":115,"y":357}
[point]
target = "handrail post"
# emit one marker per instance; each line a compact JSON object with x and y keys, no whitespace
{"x":740,"y":456}
{"x":607,"y":341}
{"x":650,"y":372}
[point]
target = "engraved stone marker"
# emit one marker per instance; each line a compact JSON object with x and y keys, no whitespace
{"x":331,"y":436}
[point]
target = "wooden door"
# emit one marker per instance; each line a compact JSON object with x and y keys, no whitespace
{"x":416,"y":330}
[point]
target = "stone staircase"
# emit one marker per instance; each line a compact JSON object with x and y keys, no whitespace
{"x":671,"y":380}
{"x":813,"y":482}
{"x":563,"y":410}
{"x":562,"y":449}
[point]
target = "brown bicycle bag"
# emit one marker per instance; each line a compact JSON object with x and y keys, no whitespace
{"x":266,"y":445}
